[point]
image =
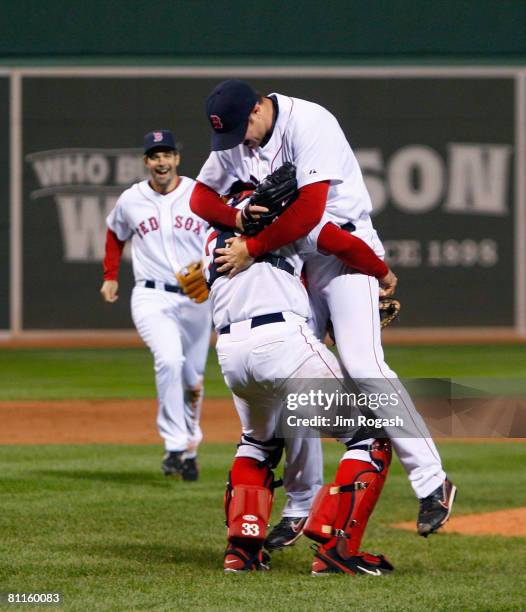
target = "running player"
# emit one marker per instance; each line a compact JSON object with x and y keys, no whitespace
{"x":166,"y":236}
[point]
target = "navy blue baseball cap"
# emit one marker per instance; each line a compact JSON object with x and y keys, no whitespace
{"x":228,"y":108}
{"x":159,"y":139}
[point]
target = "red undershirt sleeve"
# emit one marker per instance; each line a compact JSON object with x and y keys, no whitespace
{"x":112,"y":256}
{"x":353,"y":251}
{"x":207,"y":204}
{"x":297,"y":221}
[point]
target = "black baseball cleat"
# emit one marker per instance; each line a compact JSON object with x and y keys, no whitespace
{"x":241,"y":560}
{"x":172,"y":464}
{"x":286,"y":532}
{"x":327,"y":562}
{"x":190,"y":469}
{"x":436,"y":508}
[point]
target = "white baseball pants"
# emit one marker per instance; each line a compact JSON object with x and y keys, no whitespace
{"x":177,"y":332}
{"x":252,"y":360}
{"x":351,"y":302}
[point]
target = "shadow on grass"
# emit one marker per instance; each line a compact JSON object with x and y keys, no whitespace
{"x":126,"y":478}
{"x":158,"y":554}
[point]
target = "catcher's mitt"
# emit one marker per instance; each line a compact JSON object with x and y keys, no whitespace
{"x":276,"y":192}
{"x":192,"y":282}
{"x":389,"y":310}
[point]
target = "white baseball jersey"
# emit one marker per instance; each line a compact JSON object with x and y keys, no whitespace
{"x":258,"y":290}
{"x":310,"y":137}
{"x":166,"y":235}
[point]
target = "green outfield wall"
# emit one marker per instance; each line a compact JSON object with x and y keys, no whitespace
{"x":185,"y":30}
{"x":432,"y":96}
{"x":441,"y":150}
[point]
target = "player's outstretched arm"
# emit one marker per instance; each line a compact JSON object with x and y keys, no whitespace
{"x":111,"y":264}
{"x":297,"y":221}
{"x":300,"y":218}
{"x":207,"y":204}
{"x":356,"y":254}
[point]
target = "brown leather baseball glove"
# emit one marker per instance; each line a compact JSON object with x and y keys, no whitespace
{"x":192,"y":282}
{"x":389,"y":310}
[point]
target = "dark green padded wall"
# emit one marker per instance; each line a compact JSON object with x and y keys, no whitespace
{"x":238,"y":29}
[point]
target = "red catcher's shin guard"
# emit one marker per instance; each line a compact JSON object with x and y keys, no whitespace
{"x":246,"y":470}
{"x":341,"y":511}
{"x":323,"y":514}
{"x":248,"y":502}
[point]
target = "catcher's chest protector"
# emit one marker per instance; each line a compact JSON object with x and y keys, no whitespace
{"x":222,"y":237}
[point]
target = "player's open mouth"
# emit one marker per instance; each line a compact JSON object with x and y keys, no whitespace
{"x":161,"y":171}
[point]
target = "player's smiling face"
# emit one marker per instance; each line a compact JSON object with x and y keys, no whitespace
{"x":162,"y":166}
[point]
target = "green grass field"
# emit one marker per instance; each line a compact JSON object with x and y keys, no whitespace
{"x":103,"y":527}
{"x":27,"y":374}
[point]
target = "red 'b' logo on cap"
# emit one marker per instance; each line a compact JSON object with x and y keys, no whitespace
{"x":217,"y":124}
{"x":157,"y":136}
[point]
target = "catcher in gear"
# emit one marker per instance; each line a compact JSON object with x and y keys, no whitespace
{"x":333,"y":530}
{"x":338,"y":536}
{"x":252,"y":334}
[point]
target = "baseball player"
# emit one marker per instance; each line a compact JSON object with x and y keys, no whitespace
{"x":303,"y":475}
{"x":263,"y":342}
{"x":252,"y":136}
{"x":168,"y":302}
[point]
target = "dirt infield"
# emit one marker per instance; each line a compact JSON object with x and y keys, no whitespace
{"x":103,"y":422}
{"x":133,"y":422}
{"x":510,"y":522}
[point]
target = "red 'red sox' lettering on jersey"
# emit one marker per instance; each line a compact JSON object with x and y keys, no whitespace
{"x":190,"y":224}
{"x":145,"y":227}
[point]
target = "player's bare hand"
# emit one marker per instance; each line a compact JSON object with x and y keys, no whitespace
{"x":388,"y":284}
{"x":109,"y":291}
{"x":255,"y":212}
{"x":234,"y":258}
